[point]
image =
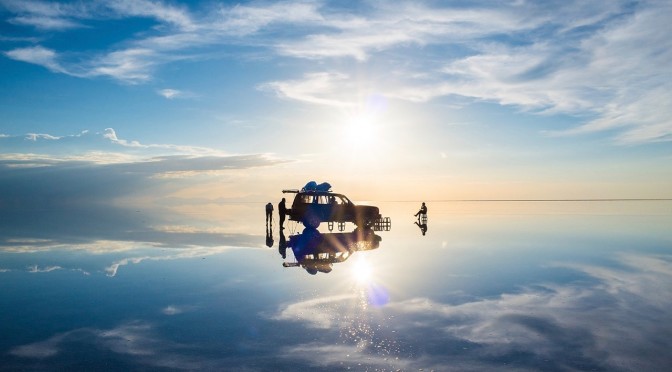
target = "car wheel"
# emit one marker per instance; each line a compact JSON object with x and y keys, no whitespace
{"x":311,"y":220}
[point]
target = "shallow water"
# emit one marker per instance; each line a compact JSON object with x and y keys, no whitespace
{"x":490,"y":286}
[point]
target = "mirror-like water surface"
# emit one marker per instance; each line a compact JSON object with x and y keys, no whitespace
{"x":488,"y":286}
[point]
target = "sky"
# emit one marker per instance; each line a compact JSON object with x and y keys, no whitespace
{"x":192,"y":103}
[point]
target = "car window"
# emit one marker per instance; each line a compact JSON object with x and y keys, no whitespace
{"x":323,"y":199}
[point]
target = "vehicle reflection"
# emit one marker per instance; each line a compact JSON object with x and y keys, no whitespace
{"x":317,"y":252}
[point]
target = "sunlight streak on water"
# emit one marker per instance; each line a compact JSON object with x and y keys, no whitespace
{"x":364,"y":276}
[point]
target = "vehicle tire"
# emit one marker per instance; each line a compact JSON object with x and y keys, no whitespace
{"x":311,"y":220}
{"x":363,"y":224}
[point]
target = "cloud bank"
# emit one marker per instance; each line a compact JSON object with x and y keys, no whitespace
{"x":97,"y":168}
{"x":73,"y":191}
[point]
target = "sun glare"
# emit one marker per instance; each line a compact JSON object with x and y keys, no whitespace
{"x":360,"y":132}
{"x":361,"y":271}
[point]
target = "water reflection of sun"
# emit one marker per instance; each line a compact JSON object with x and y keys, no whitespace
{"x":362,"y":271}
{"x":363,"y":325}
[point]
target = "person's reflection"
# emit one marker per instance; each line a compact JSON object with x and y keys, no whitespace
{"x":282,"y":245}
{"x":422,"y":226}
{"x":269,"y":236}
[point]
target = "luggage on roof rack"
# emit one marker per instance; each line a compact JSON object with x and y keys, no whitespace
{"x":313,"y":186}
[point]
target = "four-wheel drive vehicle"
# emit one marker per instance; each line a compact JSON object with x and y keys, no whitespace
{"x":312,"y":207}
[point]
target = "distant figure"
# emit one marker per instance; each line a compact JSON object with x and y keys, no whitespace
{"x":269,"y":213}
{"x":422,"y":211}
{"x":282,"y":210}
{"x":423,"y":227}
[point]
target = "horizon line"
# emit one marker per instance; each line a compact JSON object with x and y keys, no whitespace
{"x":530,"y":200}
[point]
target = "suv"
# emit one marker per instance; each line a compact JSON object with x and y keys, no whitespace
{"x":312,"y":207}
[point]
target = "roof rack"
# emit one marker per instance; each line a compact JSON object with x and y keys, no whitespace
{"x":293,"y":191}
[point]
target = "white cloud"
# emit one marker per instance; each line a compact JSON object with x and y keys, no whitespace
{"x":155,"y":9}
{"x":49,"y":16}
{"x":316,"y":88}
{"x":92,"y":146}
{"x":37,"y":55}
{"x":174,"y":93}
{"x":168,"y":149}
{"x":617,"y":70}
{"x":34,"y":136}
{"x":132,"y":65}
{"x":400,"y":25}
{"x":617,"y":74}
{"x":37,"y":269}
{"x":46,"y":23}
{"x":245,"y":19}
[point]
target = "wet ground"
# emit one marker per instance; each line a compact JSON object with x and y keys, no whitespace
{"x":489,"y":286}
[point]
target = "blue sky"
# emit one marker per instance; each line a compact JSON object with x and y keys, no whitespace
{"x":518,"y":99}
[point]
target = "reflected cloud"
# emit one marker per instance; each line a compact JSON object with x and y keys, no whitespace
{"x":304,"y":311}
{"x":136,"y":340}
{"x":175,"y":310}
{"x":619,"y":319}
{"x":194,"y":252}
{"x":42,"y":349}
{"x":340,"y":355}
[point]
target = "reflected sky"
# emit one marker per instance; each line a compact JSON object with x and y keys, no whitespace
{"x":490,"y":286}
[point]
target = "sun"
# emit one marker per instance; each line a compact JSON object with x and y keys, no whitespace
{"x":361,"y":132}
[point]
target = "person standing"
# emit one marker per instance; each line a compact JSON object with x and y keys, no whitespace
{"x":282,"y":211}
{"x":269,"y":213}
